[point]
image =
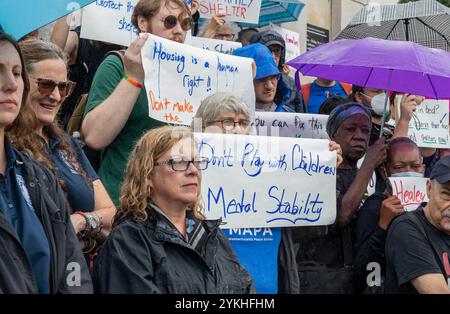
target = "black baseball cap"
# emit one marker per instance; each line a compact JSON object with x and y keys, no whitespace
{"x":441,"y":171}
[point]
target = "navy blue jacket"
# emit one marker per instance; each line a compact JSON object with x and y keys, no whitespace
{"x":69,"y":272}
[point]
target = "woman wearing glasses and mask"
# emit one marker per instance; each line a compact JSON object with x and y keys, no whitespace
{"x":39,"y":250}
{"x":161,"y":242}
{"x":92,"y":208}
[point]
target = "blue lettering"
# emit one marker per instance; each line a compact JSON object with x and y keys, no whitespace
{"x":192,"y":82}
{"x":309,"y":165}
{"x":206,"y":150}
{"x":160,"y":54}
{"x":109,"y":4}
{"x":310,"y":209}
{"x":233,"y":206}
{"x":249,"y":151}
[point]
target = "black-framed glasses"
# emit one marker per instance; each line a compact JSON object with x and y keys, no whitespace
{"x":230,"y":124}
{"x":171,"y":21}
{"x":47,"y":86}
{"x":182,"y":164}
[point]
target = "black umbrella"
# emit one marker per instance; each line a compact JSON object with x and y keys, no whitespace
{"x":424,"y":22}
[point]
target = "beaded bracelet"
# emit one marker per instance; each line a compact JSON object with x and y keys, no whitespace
{"x":132,"y":81}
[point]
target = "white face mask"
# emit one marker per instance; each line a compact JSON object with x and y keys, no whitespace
{"x":407,"y":174}
{"x":377,"y":103}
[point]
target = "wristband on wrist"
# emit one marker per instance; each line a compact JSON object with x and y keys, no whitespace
{"x":132,"y":81}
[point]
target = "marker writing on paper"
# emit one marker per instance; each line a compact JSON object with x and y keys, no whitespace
{"x":208,"y":151}
{"x":308,"y":163}
{"x":294,"y":208}
{"x":232,"y":206}
{"x":162,"y":55}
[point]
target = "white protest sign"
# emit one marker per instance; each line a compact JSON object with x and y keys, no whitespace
{"x":429,"y":125}
{"x":411,"y":191}
{"x":109,"y":21}
{"x":287,"y":124}
{"x":221,"y":46}
{"x":178,"y":77}
{"x":371,"y":187}
{"x":292,"y":40}
{"x":235,"y":10}
{"x":257,"y":181}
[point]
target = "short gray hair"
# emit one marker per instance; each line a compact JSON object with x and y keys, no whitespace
{"x":234,"y":27}
{"x":214,"y":105}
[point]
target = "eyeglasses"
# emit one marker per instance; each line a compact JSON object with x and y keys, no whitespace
{"x":230,"y":124}
{"x":182,"y":164}
{"x":224,"y":36}
{"x":171,"y":21}
{"x":47,"y":86}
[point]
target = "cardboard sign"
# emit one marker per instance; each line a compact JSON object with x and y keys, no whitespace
{"x":286,"y":124}
{"x":235,"y":10}
{"x":257,"y":181}
{"x":429,"y":125}
{"x":109,"y":21}
{"x":220,"y":46}
{"x":292,"y":40}
{"x":179,"y":77}
{"x":411,"y":191}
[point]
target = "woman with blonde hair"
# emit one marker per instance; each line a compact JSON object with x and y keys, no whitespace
{"x":92,"y":208}
{"x":161,"y":242}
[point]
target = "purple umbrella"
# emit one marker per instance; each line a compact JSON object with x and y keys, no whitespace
{"x":385,"y":64}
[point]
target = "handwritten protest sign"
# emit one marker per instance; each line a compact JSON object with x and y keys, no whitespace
{"x":292,"y":40}
{"x":286,"y":124}
{"x":411,"y":191}
{"x":235,"y":10}
{"x":19,"y":18}
{"x":429,"y":125}
{"x":257,"y":181}
{"x":109,"y":21}
{"x":179,"y":77}
{"x":221,"y":46}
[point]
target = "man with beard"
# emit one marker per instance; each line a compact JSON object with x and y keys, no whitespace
{"x":418,"y":242}
{"x":116,"y":114}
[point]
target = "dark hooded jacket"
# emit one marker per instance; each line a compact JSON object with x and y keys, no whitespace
{"x":69,"y":272}
{"x":153,"y":257}
{"x":287,"y":98}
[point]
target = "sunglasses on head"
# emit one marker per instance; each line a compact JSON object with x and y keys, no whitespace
{"x":47,"y":86}
{"x":171,"y":21}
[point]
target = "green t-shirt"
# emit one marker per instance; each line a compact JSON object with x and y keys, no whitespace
{"x":115,"y":156}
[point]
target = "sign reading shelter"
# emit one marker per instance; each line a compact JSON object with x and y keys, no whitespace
{"x":411,"y":191}
{"x":292,"y":40}
{"x":109,"y":21}
{"x":235,"y":10}
{"x":179,"y":77}
{"x":286,"y":124}
{"x":257,"y":181}
{"x":221,"y":46}
{"x":429,"y":125}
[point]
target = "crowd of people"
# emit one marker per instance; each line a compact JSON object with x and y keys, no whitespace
{"x":121,"y":211}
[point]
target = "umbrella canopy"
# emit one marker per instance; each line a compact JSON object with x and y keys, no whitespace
{"x":277,"y":12}
{"x":385,"y":64}
{"x":424,"y":22}
{"x":18,"y":18}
